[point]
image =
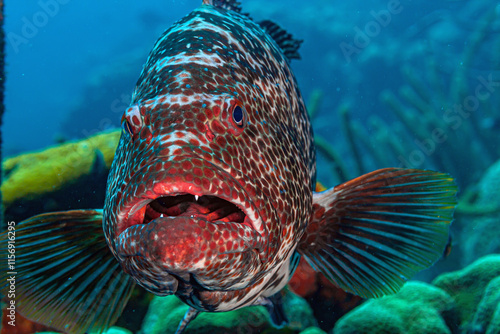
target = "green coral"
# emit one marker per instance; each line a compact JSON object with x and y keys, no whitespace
{"x":471,"y":288}
{"x":313,"y":330}
{"x":165,"y":313}
{"x":464,"y":301}
{"x":487,"y":317}
{"x":416,"y":308}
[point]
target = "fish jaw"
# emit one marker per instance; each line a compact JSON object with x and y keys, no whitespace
{"x":187,"y":244}
{"x":192,"y":221}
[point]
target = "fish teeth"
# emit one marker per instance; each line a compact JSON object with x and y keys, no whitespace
{"x":161,"y":216}
{"x":196,"y":198}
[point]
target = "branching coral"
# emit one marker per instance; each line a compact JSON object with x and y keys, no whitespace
{"x":439,"y":120}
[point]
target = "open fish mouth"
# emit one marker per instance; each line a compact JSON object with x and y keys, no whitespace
{"x":179,"y":224}
{"x":203,"y":190}
{"x":213,"y":208}
{"x":165,"y":221}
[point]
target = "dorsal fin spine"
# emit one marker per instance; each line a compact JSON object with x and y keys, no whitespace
{"x":288,"y":44}
{"x":233,"y":5}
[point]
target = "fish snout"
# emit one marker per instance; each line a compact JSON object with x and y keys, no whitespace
{"x":189,"y":245}
{"x":169,"y":242}
{"x":183,"y":244}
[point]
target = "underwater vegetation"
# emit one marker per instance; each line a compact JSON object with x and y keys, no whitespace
{"x":465,"y":301}
{"x":444,"y":115}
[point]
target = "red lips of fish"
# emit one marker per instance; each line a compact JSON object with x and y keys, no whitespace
{"x":188,"y":216}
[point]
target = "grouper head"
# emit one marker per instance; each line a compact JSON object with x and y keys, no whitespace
{"x":211,"y":185}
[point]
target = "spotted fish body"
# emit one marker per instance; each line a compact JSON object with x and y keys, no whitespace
{"x":184,"y":140}
{"x":210,"y":194}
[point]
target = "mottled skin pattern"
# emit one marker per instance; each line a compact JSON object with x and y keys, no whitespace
{"x":183,"y":140}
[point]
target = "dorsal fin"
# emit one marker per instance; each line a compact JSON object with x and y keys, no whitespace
{"x":288,"y":44}
{"x":233,"y":5}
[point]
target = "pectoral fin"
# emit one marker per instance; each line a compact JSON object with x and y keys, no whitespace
{"x":369,"y":235}
{"x":66,"y":276}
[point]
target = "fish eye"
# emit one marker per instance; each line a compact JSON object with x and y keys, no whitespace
{"x":132,"y":120}
{"x":127,"y":128}
{"x":238,"y":116}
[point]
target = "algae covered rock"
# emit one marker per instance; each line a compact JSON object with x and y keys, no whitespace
{"x":69,"y":176}
{"x":165,"y":313}
{"x":417,"y":308}
{"x":476,"y":292}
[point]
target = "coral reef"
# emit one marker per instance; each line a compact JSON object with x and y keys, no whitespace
{"x":464,"y":301}
{"x":165,"y":313}
{"x":478,"y":217}
{"x":487,"y":317}
{"x":69,"y":176}
{"x":313,"y":330}
{"x":474,"y":291}
{"x":416,"y":308}
{"x":438,"y":118}
{"x":435,"y":120}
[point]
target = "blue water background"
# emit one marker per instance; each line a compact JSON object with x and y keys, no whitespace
{"x":73,"y":74}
